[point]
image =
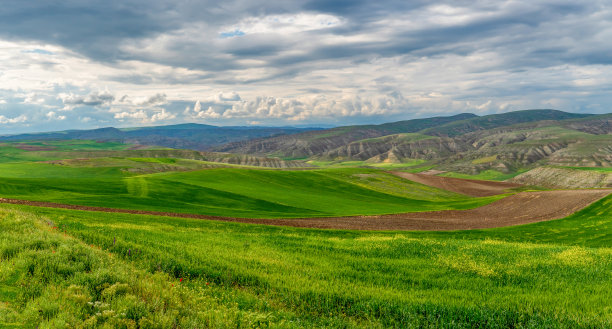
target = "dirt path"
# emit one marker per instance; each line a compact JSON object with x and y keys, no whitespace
{"x":521,"y":208}
{"x":471,"y":187}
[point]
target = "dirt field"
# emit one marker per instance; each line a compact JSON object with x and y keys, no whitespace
{"x":469,"y":187}
{"x":27,"y":147}
{"x":521,"y":208}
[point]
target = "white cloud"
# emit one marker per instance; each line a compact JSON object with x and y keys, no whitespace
{"x":19,"y":119}
{"x":282,"y":24}
{"x":143,"y":116}
{"x":53,"y":116}
{"x":140,"y":115}
{"x":162,"y":116}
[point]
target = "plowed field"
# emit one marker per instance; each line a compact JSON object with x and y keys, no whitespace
{"x":521,"y":208}
{"x":470,"y":187}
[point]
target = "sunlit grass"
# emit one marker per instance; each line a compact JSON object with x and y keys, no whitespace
{"x":486,"y":278}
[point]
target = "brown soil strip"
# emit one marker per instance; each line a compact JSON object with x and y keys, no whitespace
{"x":521,"y":208}
{"x":471,"y":187}
{"x":27,"y":147}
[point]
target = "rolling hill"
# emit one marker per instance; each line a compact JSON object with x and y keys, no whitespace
{"x":184,"y":136}
{"x":312,"y":143}
{"x":508,"y":143}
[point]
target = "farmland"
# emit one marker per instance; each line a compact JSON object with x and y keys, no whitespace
{"x":230,"y":191}
{"x":251,"y":275}
{"x":66,"y":268}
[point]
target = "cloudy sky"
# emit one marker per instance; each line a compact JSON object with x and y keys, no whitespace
{"x":68,"y":64}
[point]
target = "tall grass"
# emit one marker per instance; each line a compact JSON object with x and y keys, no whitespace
{"x":490,"y":278}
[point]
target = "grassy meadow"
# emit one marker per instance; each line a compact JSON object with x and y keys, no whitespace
{"x":64,"y":268}
{"x":238,"y":192}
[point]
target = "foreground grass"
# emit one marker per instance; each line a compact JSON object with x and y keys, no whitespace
{"x":554,"y":274}
{"x":49,"y":279}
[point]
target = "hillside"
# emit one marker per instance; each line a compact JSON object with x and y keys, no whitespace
{"x":327,"y":144}
{"x":499,"y":120}
{"x":508,"y":148}
{"x":570,"y":142}
{"x":311,"y":143}
{"x":129,"y":157}
{"x":566,"y":177}
{"x":182,"y":136}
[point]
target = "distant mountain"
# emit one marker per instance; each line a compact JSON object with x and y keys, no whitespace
{"x":584,"y":141}
{"x":313,"y":143}
{"x":321,"y":142}
{"x":184,"y":136}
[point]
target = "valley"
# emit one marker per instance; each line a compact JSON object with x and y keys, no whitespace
{"x":466,"y":222}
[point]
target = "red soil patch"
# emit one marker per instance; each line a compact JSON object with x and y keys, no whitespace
{"x":471,"y":187}
{"x":521,"y":208}
{"x":27,"y":147}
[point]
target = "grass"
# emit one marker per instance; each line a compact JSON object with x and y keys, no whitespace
{"x":485,"y":175}
{"x":553,"y":274}
{"x":598,"y":169}
{"x":49,"y":279}
{"x":73,"y":269}
{"x":238,"y":192}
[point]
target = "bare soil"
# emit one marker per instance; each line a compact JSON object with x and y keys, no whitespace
{"x":27,"y":147}
{"x":521,"y":208}
{"x":471,"y":187}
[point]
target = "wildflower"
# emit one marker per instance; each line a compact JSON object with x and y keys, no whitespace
{"x":181,"y":280}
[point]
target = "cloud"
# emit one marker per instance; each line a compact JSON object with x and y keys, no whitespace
{"x":282,"y":24}
{"x":128,"y":62}
{"x":54,"y":116}
{"x":162,"y":116}
{"x":155,"y":100}
{"x":94,"y":99}
{"x":20,"y":119}
{"x":142,"y":116}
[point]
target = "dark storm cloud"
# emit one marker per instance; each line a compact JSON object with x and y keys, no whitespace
{"x":299,"y":60}
{"x":93,"y":28}
{"x":98,"y":29}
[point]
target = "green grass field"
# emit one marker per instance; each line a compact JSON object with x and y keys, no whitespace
{"x":238,"y":192}
{"x":74,"y":269}
{"x":599,"y":169}
{"x":485,"y":175}
{"x":553,"y":274}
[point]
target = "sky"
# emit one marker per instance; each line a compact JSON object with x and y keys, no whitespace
{"x":74,"y":64}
